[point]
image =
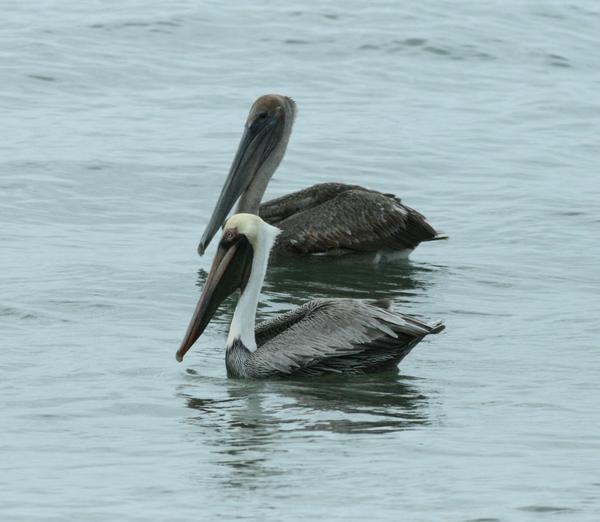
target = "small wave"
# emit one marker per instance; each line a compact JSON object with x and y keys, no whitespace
{"x":293,"y":41}
{"x":154,"y":26}
{"x":557,"y":60}
{"x":417,"y":44}
{"x":42,"y":77}
{"x":9,"y":311}
{"x":547,"y":509}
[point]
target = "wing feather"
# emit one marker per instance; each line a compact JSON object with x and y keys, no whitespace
{"x":353,"y":220}
{"x":335,"y":335}
{"x":278,"y":209}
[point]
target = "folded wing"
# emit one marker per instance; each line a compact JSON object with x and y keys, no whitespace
{"x":338,"y":219}
{"x":335,"y":336}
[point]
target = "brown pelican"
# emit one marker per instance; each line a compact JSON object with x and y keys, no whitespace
{"x":331,"y":219}
{"x":321,"y":336}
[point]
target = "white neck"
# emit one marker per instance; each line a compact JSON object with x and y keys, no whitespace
{"x":244,"y":317}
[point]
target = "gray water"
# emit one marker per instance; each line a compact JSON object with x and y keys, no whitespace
{"x":119,"y":121}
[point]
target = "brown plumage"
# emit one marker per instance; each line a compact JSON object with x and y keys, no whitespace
{"x":337,"y":219}
{"x":329,"y":219}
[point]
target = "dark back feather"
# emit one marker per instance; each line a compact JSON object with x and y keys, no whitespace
{"x":339,"y":219}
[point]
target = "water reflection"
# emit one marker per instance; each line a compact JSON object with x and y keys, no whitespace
{"x":342,"y":404}
{"x":374,"y":404}
{"x":311,"y":279}
{"x":251,"y":421}
{"x":345,"y":404}
{"x":293,"y":285}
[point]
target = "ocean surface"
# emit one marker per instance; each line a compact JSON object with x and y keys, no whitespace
{"x":119,"y":121}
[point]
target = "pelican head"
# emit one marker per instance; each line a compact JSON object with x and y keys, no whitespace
{"x":261,"y":149}
{"x":245,"y":237}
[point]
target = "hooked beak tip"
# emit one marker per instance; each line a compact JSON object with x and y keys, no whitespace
{"x":179,"y":357}
{"x":201,"y":249}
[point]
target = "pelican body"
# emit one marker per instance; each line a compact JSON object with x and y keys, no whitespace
{"x":330,"y":219}
{"x":341,"y":336}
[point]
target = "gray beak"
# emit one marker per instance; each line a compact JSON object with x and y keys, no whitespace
{"x":230,"y":270}
{"x":255,"y":146}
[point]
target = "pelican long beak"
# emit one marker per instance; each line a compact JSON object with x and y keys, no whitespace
{"x":229,"y":271}
{"x":258,"y":141}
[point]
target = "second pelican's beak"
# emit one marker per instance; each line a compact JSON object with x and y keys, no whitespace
{"x":229,"y":271}
{"x":258,"y":141}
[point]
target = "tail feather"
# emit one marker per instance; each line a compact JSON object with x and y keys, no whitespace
{"x":437,"y":327}
{"x":438,"y":237}
{"x":429,"y":328}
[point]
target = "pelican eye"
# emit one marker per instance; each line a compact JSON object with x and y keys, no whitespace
{"x":262,"y":115}
{"x":228,"y":237}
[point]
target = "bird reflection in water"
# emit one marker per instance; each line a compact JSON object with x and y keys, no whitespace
{"x":314,"y":278}
{"x":342,"y":404}
{"x":252,"y":420}
{"x":285,"y":287}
